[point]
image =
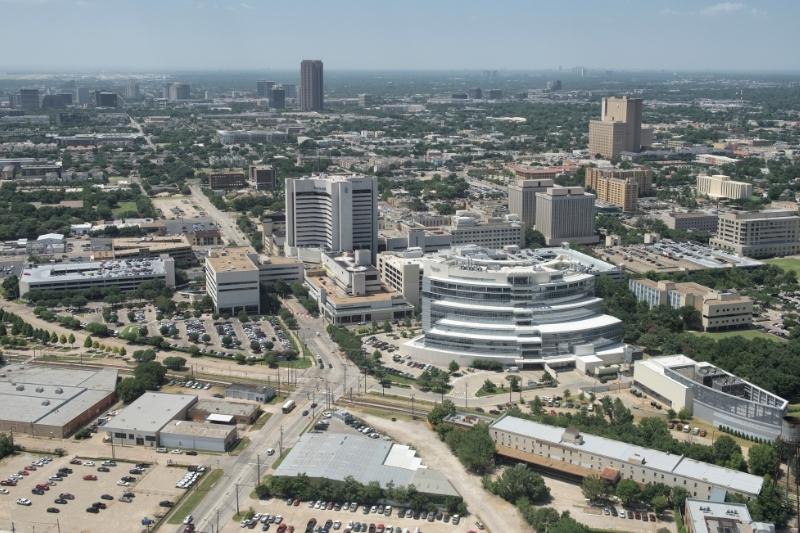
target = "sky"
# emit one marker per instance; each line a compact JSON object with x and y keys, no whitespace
{"x":166,"y":35}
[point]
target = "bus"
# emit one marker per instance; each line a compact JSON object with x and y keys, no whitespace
{"x":288,"y":406}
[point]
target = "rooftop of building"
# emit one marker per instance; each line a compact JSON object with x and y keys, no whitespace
{"x":711,"y":517}
{"x":628,"y":453}
{"x":225,"y":407}
{"x":119,"y":268}
{"x":197,"y":429}
{"x":764,"y":214}
{"x":341,"y":455}
{"x":339,"y":297}
{"x":232,"y":260}
{"x":670,"y":256}
{"x":690,"y":214}
{"x":150,"y":412}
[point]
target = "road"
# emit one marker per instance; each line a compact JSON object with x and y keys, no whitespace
{"x":135,"y":124}
{"x":219,"y":505}
{"x":233,"y":235}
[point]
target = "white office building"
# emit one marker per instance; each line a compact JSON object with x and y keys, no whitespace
{"x":720,"y":186}
{"x":331,"y":214}
{"x":516,"y":307}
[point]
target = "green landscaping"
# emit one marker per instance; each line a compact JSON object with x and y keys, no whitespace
{"x":261,"y":421}
{"x":190,"y":501}
{"x":791,"y":264}
{"x":124,"y":207}
{"x":748,"y":334}
{"x":243,"y":443}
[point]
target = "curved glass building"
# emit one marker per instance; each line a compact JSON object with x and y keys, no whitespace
{"x":516,"y":306}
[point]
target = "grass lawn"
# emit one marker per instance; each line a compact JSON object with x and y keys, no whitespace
{"x":745,"y":333}
{"x":124,"y":207}
{"x":261,"y":421}
{"x":280,"y":458}
{"x":786,"y":263}
{"x":240,"y":446}
{"x":190,"y":502}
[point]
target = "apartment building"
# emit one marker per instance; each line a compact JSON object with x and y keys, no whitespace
{"x":760,"y":234}
{"x":574,"y":453}
{"x":720,"y":186}
{"x":718,"y":310}
{"x":566,"y":214}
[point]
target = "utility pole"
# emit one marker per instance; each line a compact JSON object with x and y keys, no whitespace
{"x":465,"y":394}
{"x":280,"y":442}
{"x":258,"y":468}
{"x":413,"y":417}
{"x":237,"y":499}
{"x":217,"y":520}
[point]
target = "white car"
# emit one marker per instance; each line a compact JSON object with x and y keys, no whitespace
{"x":188,"y":520}
{"x":4,"y":491}
{"x":88,"y":463}
{"x":271,"y":451}
{"x":23,"y":501}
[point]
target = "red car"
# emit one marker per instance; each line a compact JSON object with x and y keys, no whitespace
{"x":43,"y":486}
{"x":8,"y":483}
{"x":30,"y":468}
{"x":90,"y":477}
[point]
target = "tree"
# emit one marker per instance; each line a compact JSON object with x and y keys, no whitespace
{"x":453,"y":367}
{"x":440,"y":411}
{"x":62,"y":339}
{"x":474,"y":448}
{"x":628,"y":492}
{"x":175,"y":363}
{"x":770,"y":505}
{"x":71,"y":339}
{"x":255,"y":346}
{"x":594,"y":488}
{"x":11,"y":287}
{"x":534,"y":239}
{"x":660,"y":503}
{"x":763,"y":459}
{"x":96,"y":328}
{"x":206,"y":338}
{"x":88,"y":342}
{"x":123,"y":351}
{"x":239,"y":358}
{"x":489,"y":387}
{"x":129,"y":389}
{"x":151,"y":374}
{"x":242,"y":316}
{"x":520,"y":482}
{"x":684,"y":414}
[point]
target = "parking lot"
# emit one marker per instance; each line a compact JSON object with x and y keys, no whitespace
{"x":174,"y":207}
{"x":146,"y":489}
{"x":300,"y":514}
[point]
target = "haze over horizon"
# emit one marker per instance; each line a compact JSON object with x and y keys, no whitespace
{"x":443,"y":35}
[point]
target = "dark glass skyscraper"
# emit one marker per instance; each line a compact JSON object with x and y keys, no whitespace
{"x":311,"y":85}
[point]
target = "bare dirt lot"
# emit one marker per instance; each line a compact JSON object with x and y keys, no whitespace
{"x":155,"y":485}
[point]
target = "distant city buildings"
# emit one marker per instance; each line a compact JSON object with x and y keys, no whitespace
{"x":277,"y":98}
{"x":759,"y":234}
{"x":177,"y":91}
{"x":566,"y":214}
{"x":105,"y":99}
{"x":29,"y":99}
{"x":619,"y":128}
{"x":719,"y":187}
{"x":132,"y":90}
{"x":311,"y":85}
{"x":333,"y":213}
{"x":264,"y":88}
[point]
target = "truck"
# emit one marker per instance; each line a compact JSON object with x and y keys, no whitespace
{"x":288,"y":406}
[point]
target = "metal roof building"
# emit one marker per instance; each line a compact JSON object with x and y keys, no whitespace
{"x":341,"y":455}
{"x":141,"y":421}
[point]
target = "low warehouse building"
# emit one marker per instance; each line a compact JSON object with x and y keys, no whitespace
{"x":51,"y":401}
{"x":212,"y":410}
{"x":254,"y":393}
{"x":140,"y":422}
{"x":197,"y":436}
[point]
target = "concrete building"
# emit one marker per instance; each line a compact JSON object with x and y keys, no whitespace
{"x":264,"y":88}
{"x":29,"y":99}
{"x":202,"y":234}
{"x":52,"y":401}
{"x":185,"y":434}
{"x":253,"y":393}
{"x":348,"y":290}
{"x":642,"y":177}
{"x":522,"y":198}
{"x":571,"y":452}
{"x":235,"y":276}
{"x":177,"y":247}
{"x":691,"y":221}
{"x":106,"y":99}
{"x":311,"y":85}
{"x":566,"y":214}
{"x":719,"y":187}
{"x":140,"y":422}
{"x":262,"y":177}
{"x":619,"y":128}
{"x":718,"y":310}
{"x":760,"y":234}
{"x":515,"y":307}
{"x":402,"y":272}
{"x":277,"y":99}
{"x":338,"y":456}
{"x":223,"y":412}
{"x":331,"y":214}
{"x":226,"y":179}
{"x":177,"y":91}
{"x":712,"y":395}
{"x":122,"y":275}
{"x":701,"y":516}
{"x":433,"y":233}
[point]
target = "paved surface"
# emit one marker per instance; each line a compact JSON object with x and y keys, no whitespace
{"x":498,"y":515}
{"x":227,"y":225}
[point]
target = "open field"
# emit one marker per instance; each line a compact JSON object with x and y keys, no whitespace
{"x":155,"y":485}
{"x":745,"y":333}
{"x":124,"y":207}
{"x":787,"y":263}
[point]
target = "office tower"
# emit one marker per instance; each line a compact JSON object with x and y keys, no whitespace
{"x":105,"y":99}
{"x":264,"y":88}
{"x":366,"y":100}
{"x":331,"y":213}
{"x":522,"y":198}
{"x":619,"y":128}
{"x":565,"y":214}
{"x":29,"y":99}
{"x":494,"y":94}
{"x":291,"y":90}
{"x":475,"y":93}
{"x":311,"y":85}
{"x":83,"y":95}
{"x":759,"y":234}
{"x":277,"y":99}
{"x":554,"y":85}
{"x":262,"y":177}
{"x":177,"y":91}
{"x":132,"y":90}
{"x":56,"y":101}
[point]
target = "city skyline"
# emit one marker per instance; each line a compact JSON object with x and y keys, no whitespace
{"x":680,"y":35}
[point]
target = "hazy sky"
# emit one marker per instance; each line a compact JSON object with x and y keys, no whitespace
{"x":401,"y":34}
